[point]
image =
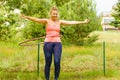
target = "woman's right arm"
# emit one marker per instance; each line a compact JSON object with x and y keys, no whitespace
{"x":43,"y":21}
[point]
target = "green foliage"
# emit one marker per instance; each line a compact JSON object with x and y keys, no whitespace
{"x":31,"y":8}
{"x":4,"y":33}
{"x":116,"y":9}
{"x":8,"y":22}
{"x":90,"y":39}
{"x":115,"y":23}
{"x":4,"y":29}
{"x":33,"y":30}
{"x":27,"y":7}
{"x":69,"y":10}
{"x":116,"y":15}
{"x":79,"y":10}
{"x":60,"y":2}
{"x":38,"y":9}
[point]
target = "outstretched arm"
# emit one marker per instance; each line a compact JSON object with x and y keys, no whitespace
{"x":63,"y":22}
{"x":43,"y":21}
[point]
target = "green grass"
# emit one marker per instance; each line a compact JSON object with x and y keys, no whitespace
{"x":78,"y":63}
{"x":108,"y":36}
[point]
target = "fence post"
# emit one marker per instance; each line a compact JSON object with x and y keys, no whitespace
{"x":38,"y":59}
{"x":104,"y":66}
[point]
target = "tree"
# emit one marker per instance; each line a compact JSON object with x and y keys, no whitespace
{"x":79,"y":10}
{"x":60,"y":2}
{"x":116,"y":14}
{"x":40,"y":9}
{"x":69,"y":10}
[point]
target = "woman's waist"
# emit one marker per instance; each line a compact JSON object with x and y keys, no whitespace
{"x":52,"y":39}
{"x":52,"y":34}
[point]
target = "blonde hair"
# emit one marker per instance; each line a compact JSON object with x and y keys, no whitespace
{"x":53,"y":8}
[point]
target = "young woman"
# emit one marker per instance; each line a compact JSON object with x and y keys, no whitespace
{"x":52,"y":44}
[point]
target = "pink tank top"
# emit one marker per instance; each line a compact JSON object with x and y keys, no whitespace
{"x":52,"y":33}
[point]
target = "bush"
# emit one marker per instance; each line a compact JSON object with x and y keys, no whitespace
{"x":4,"y":33}
{"x":90,"y":39}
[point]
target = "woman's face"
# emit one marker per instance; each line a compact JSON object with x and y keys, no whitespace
{"x":54,"y":15}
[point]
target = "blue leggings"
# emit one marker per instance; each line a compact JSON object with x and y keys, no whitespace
{"x":49,"y":49}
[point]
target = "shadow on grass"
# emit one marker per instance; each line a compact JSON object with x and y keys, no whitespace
{"x":86,"y":75}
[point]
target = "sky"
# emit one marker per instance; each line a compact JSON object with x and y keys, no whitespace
{"x":104,"y":5}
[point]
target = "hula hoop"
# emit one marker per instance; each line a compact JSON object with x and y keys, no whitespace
{"x":25,"y":43}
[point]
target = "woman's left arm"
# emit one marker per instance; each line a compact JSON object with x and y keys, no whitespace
{"x":64,"y":22}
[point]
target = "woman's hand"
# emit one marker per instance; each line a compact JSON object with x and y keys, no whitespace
{"x":22,"y":15}
{"x":87,"y":20}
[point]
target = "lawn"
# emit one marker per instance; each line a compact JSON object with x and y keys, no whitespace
{"x":78,"y":62}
